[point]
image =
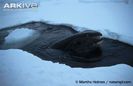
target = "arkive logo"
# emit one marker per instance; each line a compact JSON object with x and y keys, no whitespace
{"x":20,"y":5}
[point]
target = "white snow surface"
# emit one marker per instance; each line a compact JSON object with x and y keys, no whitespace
{"x":20,"y":37}
{"x":20,"y":68}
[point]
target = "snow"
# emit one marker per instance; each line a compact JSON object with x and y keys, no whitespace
{"x":20,"y":37}
{"x":20,"y":68}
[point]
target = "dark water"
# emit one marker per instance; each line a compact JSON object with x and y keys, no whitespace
{"x":110,"y":52}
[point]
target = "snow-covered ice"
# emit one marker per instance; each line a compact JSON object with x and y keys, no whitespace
{"x":20,"y":68}
{"x":20,"y":37}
